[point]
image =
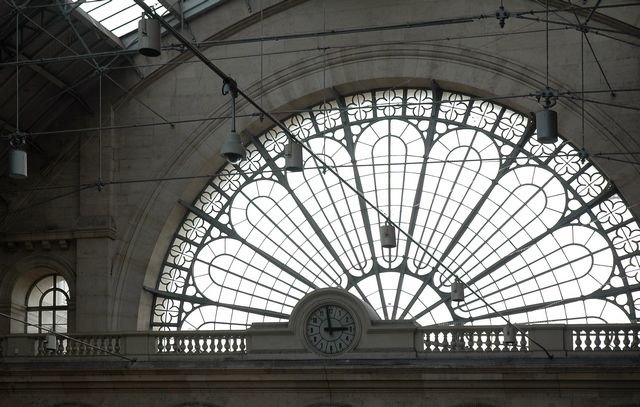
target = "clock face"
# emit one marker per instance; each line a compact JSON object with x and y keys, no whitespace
{"x":330,"y":329}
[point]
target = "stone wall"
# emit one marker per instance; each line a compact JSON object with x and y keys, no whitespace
{"x":116,"y":235}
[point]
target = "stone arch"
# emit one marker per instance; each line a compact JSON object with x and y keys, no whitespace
{"x":21,"y":277}
{"x":300,"y":84}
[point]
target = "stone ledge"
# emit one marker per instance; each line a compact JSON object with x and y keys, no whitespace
{"x":58,"y":239}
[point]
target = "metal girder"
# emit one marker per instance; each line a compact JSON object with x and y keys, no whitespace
{"x":85,"y":19}
{"x":54,"y":80}
{"x":593,"y":15}
{"x":174,"y":7}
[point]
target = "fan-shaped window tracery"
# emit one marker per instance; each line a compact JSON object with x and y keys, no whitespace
{"x":537,"y":233}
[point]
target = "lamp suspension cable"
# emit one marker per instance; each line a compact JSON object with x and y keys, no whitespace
{"x":582,"y":38}
{"x":261,"y":56}
{"x":17,"y":140}
{"x":546,"y":30}
{"x":228,"y":80}
{"x":324,"y":71}
{"x":17,"y":71}
{"x":100,"y":181}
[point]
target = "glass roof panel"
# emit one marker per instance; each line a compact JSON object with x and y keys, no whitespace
{"x":118,"y":16}
{"x":535,"y":233}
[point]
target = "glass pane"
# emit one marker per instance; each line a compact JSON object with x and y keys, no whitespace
{"x":32,"y":319}
{"x":61,"y":321}
{"x":470,"y":192}
{"x":46,"y":318}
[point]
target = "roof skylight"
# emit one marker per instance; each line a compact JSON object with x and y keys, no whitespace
{"x":118,"y":16}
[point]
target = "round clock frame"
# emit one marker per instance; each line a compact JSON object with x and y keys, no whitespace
{"x":331,"y":329}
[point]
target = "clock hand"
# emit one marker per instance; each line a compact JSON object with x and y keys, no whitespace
{"x":338,"y":328}
{"x":329,"y":328}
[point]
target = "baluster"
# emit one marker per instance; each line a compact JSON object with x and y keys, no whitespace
{"x":598,"y":341}
{"x":636,"y":338}
{"x":41,"y":351}
{"x":626,"y":340}
{"x":608,"y":334}
{"x":523,"y":341}
{"x":227,"y":346}
{"x":455,"y":340}
{"x":159,"y":344}
{"x":243,"y":344}
{"x":445,"y":342}
{"x":472,"y":340}
{"x":616,"y":339}
{"x":481,"y":340}
{"x":218,"y":344}
{"x":426,"y":338}
{"x":587,"y":341}
{"x":234,"y":344}
{"x":577,"y":340}
{"x":189,"y":343}
{"x":497,"y":341}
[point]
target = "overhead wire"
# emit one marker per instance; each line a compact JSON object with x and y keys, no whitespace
{"x":84,"y":186}
{"x":567,"y":94}
{"x":277,"y":122}
{"x":69,"y":338}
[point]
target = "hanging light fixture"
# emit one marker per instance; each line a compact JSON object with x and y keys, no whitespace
{"x":293,"y":157}
{"x":547,"y":119}
{"x":51,"y":342}
{"x":457,"y":291}
{"x":509,"y":334}
{"x":17,"y":157}
{"x":547,"y":126}
{"x":388,"y":236}
{"x":232,"y":149}
{"x":148,"y":37}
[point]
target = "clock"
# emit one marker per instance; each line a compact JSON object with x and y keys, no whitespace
{"x":330,"y":329}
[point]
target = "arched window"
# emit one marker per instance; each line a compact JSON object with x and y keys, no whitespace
{"x":536,"y":232}
{"x":47,"y":305}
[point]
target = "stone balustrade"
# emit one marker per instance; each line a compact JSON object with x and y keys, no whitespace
{"x":587,"y":338}
{"x":470,"y":339}
{"x":559,"y":339}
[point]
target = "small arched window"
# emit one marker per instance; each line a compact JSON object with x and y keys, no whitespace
{"x":47,"y":305}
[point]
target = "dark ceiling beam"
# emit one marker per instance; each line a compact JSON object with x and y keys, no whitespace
{"x":86,"y":20}
{"x":5,"y":126}
{"x":588,"y":12}
{"x":174,"y":7}
{"x":43,"y":72}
